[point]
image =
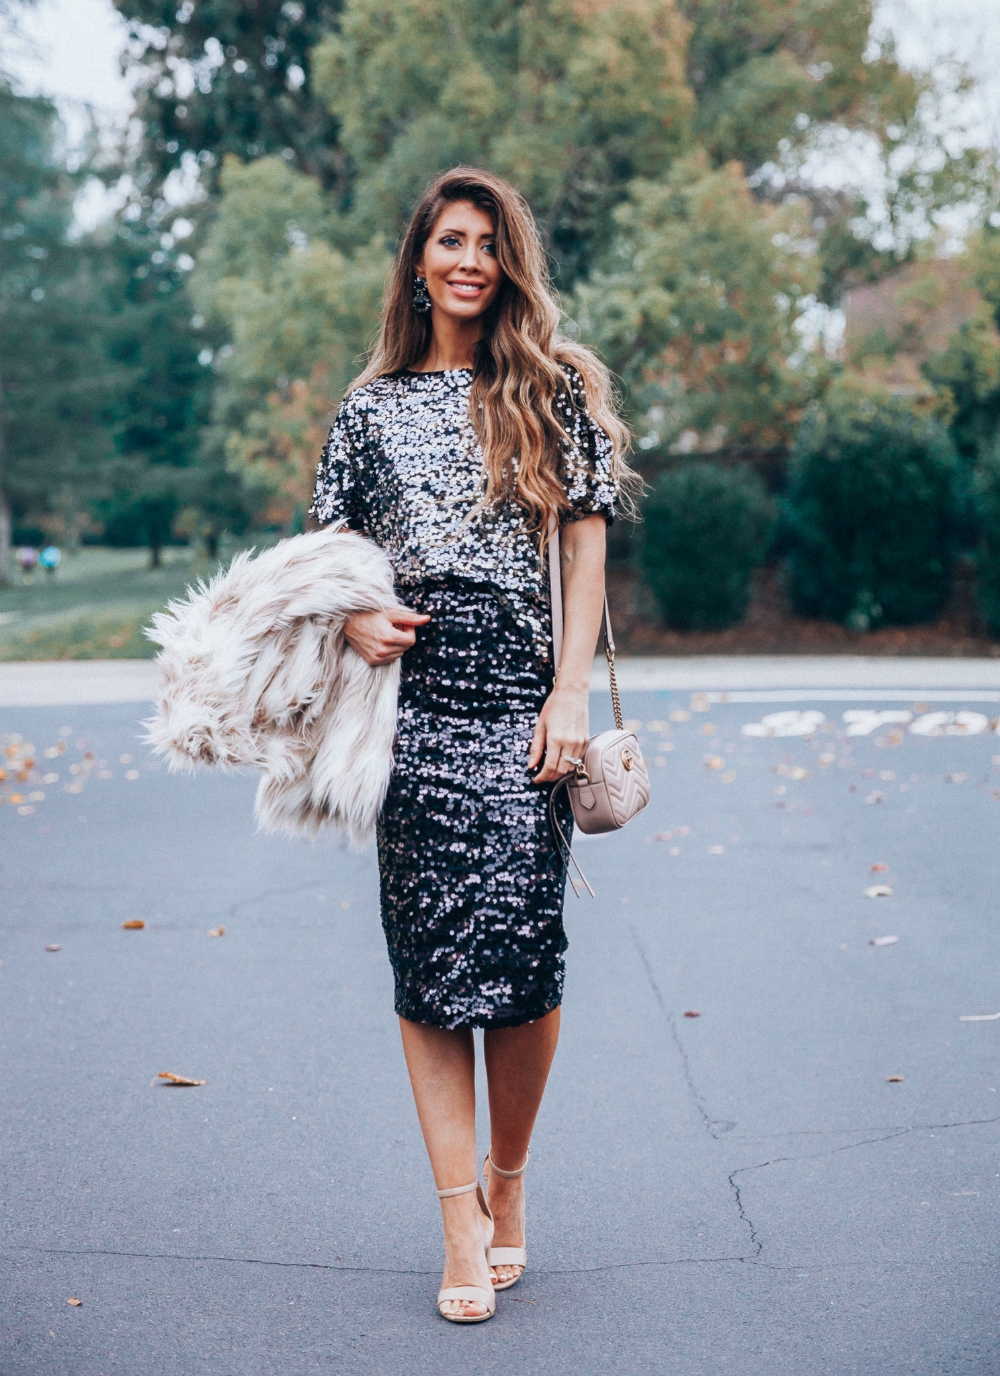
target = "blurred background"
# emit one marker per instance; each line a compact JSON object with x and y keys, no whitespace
{"x":777,"y":220}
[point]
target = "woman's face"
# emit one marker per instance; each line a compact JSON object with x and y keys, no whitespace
{"x":459,"y":262}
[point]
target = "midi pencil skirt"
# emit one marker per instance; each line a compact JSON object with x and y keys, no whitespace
{"x":472,"y":885}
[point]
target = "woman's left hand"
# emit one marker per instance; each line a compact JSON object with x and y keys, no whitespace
{"x":561,"y":733}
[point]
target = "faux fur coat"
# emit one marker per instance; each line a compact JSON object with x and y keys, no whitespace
{"x":255,"y":670}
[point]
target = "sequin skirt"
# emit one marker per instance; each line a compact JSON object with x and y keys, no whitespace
{"x":472,"y":886}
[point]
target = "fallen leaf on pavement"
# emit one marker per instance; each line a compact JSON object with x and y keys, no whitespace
{"x":879,"y":868}
{"x":217,"y":931}
{"x":894,"y":1079}
{"x":879,"y":891}
{"x":53,"y":948}
{"x":692,"y":1014}
{"x":978,"y":1017}
{"x":74,"y":1302}
{"x":714,"y":762}
{"x":179,"y":1079}
{"x":882,"y":940}
{"x":136,"y":924}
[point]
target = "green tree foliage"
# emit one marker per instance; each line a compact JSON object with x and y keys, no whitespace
{"x":694,"y":307}
{"x":149,"y":334}
{"x":870,"y":511}
{"x":569,"y":101}
{"x":766,"y":72}
{"x":706,"y":529}
{"x":986,"y":496}
{"x":227,"y":76}
{"x":299,"y":315}
{"x":58,"y":391}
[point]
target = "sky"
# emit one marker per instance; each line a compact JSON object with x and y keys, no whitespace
{"x":77,"y":44}
{"x":73,"y":47}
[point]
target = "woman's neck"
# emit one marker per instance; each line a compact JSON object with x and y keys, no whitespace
{"x":453,"y":344}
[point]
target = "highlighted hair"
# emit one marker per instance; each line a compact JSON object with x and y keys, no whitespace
{"x":521,"y":361}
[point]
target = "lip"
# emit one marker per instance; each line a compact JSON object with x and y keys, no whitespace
{"x":468,"y":290}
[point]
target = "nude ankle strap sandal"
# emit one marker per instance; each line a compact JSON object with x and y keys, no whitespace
{"x":476,"y":1293}
{"x":506,"y":1256}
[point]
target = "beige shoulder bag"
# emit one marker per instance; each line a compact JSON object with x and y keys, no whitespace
{"x":611,"y":783}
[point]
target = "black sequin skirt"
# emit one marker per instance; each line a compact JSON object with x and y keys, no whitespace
{"x":472,"y":885}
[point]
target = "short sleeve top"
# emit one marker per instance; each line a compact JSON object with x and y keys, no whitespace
{"x":403,"y":466}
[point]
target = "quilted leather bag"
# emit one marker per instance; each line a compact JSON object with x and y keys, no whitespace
{"x":611,"y":784}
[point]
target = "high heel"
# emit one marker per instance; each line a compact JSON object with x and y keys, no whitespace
{"x":475,"y":1293}
{"x":506,"y":1256}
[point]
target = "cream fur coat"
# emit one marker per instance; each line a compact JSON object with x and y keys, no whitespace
{"x":255,"y":670}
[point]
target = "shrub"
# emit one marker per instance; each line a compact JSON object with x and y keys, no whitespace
{"x":986,"y":505}
{"x":870,"y":512}
{"x":706,"y":529}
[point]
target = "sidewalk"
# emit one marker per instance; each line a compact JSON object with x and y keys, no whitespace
{"x":744,"y":677}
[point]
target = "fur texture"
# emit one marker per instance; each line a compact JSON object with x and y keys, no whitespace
{"x":255,"y":670}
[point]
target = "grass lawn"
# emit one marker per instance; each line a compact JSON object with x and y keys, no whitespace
{"x":95,"y":604}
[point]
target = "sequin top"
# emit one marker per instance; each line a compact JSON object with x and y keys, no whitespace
{"x":403,"y":466}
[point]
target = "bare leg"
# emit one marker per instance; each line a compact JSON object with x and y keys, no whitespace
{"x":517,"y":1067}
{"x":442,"y":1068}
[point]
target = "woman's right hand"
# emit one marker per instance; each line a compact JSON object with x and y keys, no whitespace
{"x":381,"y":637}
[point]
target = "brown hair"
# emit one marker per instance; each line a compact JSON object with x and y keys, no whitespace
{"x":520,"y":361}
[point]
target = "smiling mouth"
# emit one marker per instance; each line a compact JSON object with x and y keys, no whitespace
{"x":469,"y":289}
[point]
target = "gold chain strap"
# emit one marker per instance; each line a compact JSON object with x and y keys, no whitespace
{"x":615,"y":700}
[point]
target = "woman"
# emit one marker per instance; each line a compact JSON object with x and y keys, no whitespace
{"x":473,"y":428}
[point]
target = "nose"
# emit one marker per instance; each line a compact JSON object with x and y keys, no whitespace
{"x":470,"y":258}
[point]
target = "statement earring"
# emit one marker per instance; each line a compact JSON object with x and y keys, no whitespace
{"x":421,"y":300}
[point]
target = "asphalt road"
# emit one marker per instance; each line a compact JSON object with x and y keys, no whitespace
{"x":740,"y":1192}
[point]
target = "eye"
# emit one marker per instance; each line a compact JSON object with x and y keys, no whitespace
{"x":490,"y":248}
{"x":450,"y":241}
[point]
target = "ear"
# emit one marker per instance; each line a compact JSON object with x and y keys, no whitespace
{"x":418,"y":267}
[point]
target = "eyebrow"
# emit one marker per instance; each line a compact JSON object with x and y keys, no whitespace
{"x":463,"y":233}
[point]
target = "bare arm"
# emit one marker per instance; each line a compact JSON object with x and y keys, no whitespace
{"x":563,"y":726}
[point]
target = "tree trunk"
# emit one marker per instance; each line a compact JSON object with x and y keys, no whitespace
{"x":155,"y":552}
{"x":5,"y":524}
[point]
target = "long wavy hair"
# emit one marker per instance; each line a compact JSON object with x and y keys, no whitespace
{"x":520,"y":362}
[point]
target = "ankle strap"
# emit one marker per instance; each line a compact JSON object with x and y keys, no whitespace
{"x":459,"y":1189}
{"x":507,"y":1175}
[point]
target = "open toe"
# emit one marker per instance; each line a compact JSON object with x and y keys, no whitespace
{"x":469,"y":1303}
{"x":512,"y":1261}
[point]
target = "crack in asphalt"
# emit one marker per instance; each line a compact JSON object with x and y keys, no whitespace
{"x":715,"y":1127}
{"x":718,"y":1127}
{"x":361,"y":1270}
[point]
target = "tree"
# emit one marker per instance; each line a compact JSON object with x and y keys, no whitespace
{"x":767,"y":72}
{"x":150,"y":335}
{"x":299,"y":314}
{"x":58,"y":388}
{"x":568,"y":101}
{"x":694,"y":306}
{"x":227,"y":77}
